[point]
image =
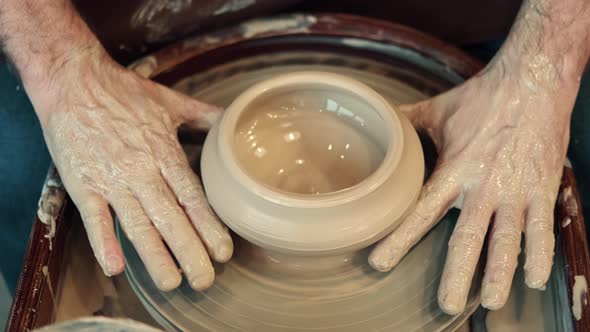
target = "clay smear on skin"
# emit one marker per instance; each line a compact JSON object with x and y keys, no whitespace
{"x":307,"y":144}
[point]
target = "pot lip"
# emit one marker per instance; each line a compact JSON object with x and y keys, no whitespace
{"x":392,"y":157}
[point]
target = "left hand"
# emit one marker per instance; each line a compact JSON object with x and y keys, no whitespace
{"x":113,"y":138}
{"x":502,"y":139}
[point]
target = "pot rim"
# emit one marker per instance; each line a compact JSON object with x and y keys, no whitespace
{"x":386,"y":168}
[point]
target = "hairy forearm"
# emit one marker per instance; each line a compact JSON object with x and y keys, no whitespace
{"x":549,"y":43}
{"x":51,"y":47}
{"x":41,"y":37}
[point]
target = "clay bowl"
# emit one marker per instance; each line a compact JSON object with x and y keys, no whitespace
{"x":312,"y":163}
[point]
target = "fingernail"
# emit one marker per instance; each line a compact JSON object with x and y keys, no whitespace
{"x":203,"y":281}
{"x":380,"y":262}
{"x":170,"y":282}
{"x":535,"y":278}
{"x":451,"y":303}
{"x":114,"y":265}
{"x":494,"y":295}
{"x":225,"y":251}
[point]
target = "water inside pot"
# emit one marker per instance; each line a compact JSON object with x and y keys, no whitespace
{"x":310,"y":140}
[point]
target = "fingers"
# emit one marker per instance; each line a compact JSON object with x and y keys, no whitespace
{"x":166,"y":215}
{"x":187,"y":187}
{"x":503,"y":249}
{"x":540,"y":241}
{"x":435,"y":200}
{"x":463,"y":253}
{"x":98,"y":222}
{"x":147,"y":241}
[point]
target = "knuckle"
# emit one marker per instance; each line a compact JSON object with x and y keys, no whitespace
{"x":140,"y":234}
{"x":539,"y":225}
{"x":506,"y":237}
{"x":174,"y":166}
{"x":94,"y":221}
{"x":188,"y":188}
{"x":461,"y":272}
{"x":134,"y":217}
{"x":137,"y":162}
{"x":94,"y":216}
{"x":502,"y":261}
{"x":467,"y":236}
{"x":540,"y":245}
{"x":154,"y":190}
{"x":171,"y":226}
{"x":419,"y":217}
{"x":502,"y":272}
{"x":166,"y":228}
{"x":508,"y":213}
{"x":165,"y":211}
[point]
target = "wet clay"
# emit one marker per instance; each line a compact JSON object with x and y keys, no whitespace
{"x":309,"y":142}
{"x":579,"y":296}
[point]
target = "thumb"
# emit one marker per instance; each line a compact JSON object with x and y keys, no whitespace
{"x":199,"y":115}
{"x":419,"y":114}
{"x":191,"y":112}
{"x":427,"y":116}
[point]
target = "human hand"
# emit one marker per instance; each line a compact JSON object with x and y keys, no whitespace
{"x":112,"y":136}
{"x":502,"y":139}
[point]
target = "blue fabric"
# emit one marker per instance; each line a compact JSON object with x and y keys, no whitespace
{"x":24,"y":162}
{"x":579,"y":148}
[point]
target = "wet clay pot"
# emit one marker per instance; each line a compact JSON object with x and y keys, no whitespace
{"x":312,"y":163}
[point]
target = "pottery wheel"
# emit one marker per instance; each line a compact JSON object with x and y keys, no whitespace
{"x":259,"y":294}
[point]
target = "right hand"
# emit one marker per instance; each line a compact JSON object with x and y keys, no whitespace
{"x":501,"y":139}
{"x":113,"y":137}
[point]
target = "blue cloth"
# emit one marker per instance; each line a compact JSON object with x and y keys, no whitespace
{"x":24,"y":161}
{"x":579,"y":148}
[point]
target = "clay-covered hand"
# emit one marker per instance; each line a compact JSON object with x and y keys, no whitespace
{"x":113,"y":137}
{"x":502,"y":139}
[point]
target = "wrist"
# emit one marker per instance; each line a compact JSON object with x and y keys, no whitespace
{"x":50,"y":45}
{"x":41,"y":36}
{"x":532,"y":79}
{"x":546,"y":68}
{"x":40,"y":70}
{"x":549,"y":44}
{"x":538,"y":73}
{"x":77,"y":74}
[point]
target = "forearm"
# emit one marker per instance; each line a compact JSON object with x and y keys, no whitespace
{"x":41,"y":36}
{"x":549,"y":43}
{"x":51,"y":47}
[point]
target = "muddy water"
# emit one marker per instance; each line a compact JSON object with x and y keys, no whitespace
{"x":307,"y":141}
